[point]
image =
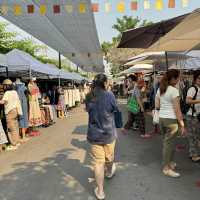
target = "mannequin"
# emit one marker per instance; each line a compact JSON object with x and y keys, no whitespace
{"x":35,"y":118}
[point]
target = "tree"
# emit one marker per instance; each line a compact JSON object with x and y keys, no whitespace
{"x":124,"y":24}
{"x":118,"y":56}
{"x":27,"y":45}
{"x":6,"y":39}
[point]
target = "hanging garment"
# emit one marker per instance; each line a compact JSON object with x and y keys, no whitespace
{"x":23,"y":120}
{"x":35,"y":118}
{"x":3,"y":138}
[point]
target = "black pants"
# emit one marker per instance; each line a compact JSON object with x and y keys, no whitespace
{"x":139,"y":119}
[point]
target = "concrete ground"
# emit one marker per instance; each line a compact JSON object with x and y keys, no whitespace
{"x":55,"y":166}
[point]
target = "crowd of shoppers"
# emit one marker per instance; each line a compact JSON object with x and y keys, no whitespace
{"x":164,"y":98}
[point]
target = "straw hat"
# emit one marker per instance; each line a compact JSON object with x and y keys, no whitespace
{"x":7,"y":82}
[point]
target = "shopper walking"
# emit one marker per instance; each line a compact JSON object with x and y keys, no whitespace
{"x":101,"y":105}
{"x":193,"y":118}
{"x":167,"y":101}
{"x":13,"y":110}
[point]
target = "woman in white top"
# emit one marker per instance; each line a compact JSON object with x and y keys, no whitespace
{"x":13,"y":109}
{"x":167,"y":101}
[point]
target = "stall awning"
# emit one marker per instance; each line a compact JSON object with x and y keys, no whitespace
{"x":73,"y":34}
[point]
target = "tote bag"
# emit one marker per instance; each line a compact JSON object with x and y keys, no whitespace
{"x":133,"y":105}
{"x":118,"y":119}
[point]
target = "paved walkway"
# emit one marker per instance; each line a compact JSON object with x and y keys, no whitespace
{"x":54,"y":166}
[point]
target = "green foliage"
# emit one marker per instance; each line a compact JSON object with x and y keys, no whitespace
{"x":122,"y":24}
{"x":8,"y":42}
{"x":6,"y":39}
{"x":27,"y":45}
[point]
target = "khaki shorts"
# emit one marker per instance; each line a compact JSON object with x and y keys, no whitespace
{"x":102,"y":153}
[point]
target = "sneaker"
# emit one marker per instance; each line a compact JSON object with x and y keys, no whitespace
{"x":11,"y":148}
{"x":113,"y":171}
{"x":171,"y":173}
{"x":98,"y":196}
{"x":146,"y":136}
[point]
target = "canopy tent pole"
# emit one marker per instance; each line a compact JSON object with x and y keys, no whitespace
{"x":60,"y":66}
{"x":30,"y":73}
{"x":167,"y":62}
{"x":6,"y":72}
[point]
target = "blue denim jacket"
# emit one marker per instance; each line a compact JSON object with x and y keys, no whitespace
{"x":101,"y":107}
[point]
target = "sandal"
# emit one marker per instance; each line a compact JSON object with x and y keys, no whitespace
{"x":146,"y":136}
{"x":195,"y":158}
{"x":99,"y":197}
{"x":171,"y":173}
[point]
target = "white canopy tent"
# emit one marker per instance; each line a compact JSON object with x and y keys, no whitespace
{"x":73,"y":34}
{"x":145,"y":68}
{"x":156,"y":57}
{"x":3,"y":60}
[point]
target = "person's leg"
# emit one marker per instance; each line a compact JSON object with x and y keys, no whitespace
{"x":10,"y":119}
{"x":170,"y":128}
{"x":192,"y":135}
{"x":98,"y":157}
{"x":110,"y":167}
{"x":129,"y":123}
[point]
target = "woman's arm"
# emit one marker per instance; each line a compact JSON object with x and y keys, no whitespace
{"x":177,"y":109}
{"x":157,"y":103}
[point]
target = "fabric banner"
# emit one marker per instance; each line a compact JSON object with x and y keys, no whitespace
{"x":95,"y":7}
{"x":185,"y":3}
{"x":17,"y":10}
{"x":43,"y":9}
{"x":147,"y":4}
{"x":134,"y":5}
{"x":107,"y":7}
{"x":121,"y":7}
{"x":82,"y":8}
{"x":171,"y":4}
{"x":159,"y":4}
{"x":69,"y":8}
{"x":4,"y":9}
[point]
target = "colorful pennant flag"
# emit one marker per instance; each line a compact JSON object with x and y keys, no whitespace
{"x":69,"y":8}
{"x":134,"y":5}
{"x":82,"y":7}
{"x":3,"y":9}
{"x":121,"y":7}
{"x":17,"y":10}
{"x":185,"y":3}
{"x":108,"y":7}
{"x":95,"y":7}
{"x":159,"y":4}
{"x":30,"y":9}
{"x":147,"y":4}
{"x":171,"y":4}
{"x":56,"y":9}
{"x":43,"y":9}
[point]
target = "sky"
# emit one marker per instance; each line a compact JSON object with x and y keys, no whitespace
{"x":105,"y":21}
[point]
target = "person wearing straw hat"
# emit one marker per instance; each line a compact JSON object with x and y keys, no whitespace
{"x":13,"y":109}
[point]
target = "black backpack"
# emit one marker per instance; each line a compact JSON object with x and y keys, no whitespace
{"x":184,"y":106}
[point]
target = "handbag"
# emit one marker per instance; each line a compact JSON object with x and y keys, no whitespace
{"x":118,"y":119}
{"x":133,"y":105}
{"x":155,"y":117}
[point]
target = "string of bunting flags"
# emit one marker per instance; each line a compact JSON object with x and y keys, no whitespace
{"x":96,"y":7}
